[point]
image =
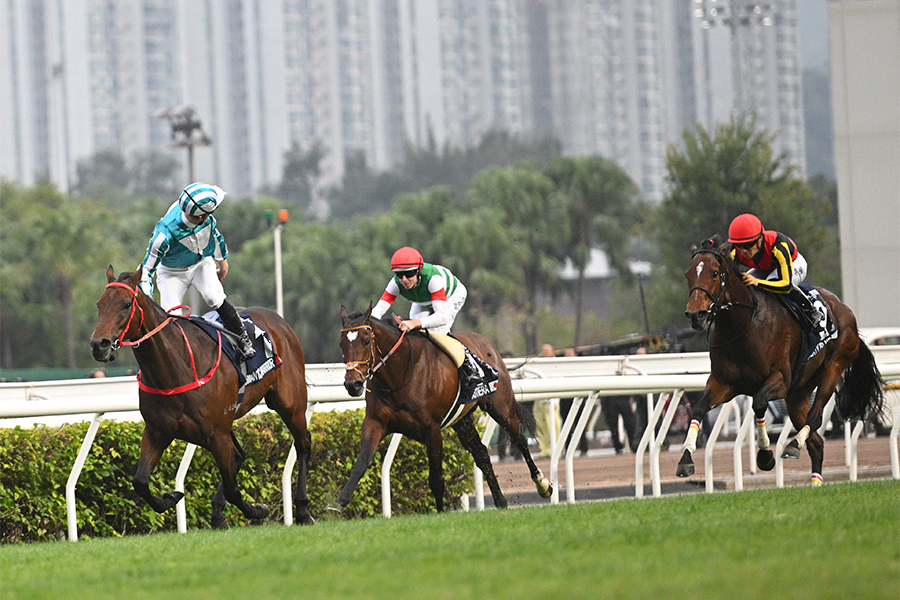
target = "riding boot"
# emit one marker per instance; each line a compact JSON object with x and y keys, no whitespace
{"x":234,"y":324}
{"x":469,"y":372}
{"x":814,"y":316}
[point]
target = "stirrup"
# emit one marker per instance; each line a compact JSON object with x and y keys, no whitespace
{"x":245,"y":346}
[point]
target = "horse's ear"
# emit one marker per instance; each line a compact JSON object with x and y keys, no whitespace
{"x":693,"y":248}
{"x":344,"y":314}
{"x":136,"y":276}
{"x":368,"y":312}
{"x":110,"y":274}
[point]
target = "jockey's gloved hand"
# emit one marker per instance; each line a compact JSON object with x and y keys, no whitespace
{"x":750,"y":279}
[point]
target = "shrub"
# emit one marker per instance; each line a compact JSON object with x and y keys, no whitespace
{"x":35,"y":465}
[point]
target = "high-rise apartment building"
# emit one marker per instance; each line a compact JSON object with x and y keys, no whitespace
{"x":363,"y":78}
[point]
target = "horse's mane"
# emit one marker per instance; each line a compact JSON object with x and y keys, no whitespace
{"x":715,"y":244}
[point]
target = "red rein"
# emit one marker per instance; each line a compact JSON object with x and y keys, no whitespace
{"x":121,"y":342}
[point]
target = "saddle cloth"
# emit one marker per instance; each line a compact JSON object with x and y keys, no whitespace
{"x":251,"y":370}
{"x":814,"y":338}
{"x":487,"y":386}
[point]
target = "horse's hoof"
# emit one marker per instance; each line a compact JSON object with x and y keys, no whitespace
{"x":765,"y":460}
{"x":170,"y":499}
{"x":220,"y":523}
{"x":792,"y":450}
{"x":306,"y":519}
{"x":685,"y":465}
{"x":544,"y":487}
{"x":500,"y":502}
{"x":257,"y":512}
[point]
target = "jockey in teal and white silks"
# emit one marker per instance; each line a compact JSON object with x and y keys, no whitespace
{"x":186,"y":250}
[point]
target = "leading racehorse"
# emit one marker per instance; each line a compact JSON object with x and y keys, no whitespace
{"x":189,"y":392}
{"x":754,"y":349}
{"x":411,"y":387}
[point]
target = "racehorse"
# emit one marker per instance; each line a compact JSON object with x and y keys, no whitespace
{"x":754,"y":346}
{"x":176,"y":402}
{"x":411,"y":387}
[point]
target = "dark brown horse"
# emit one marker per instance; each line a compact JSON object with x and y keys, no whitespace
{"x":195,"y":396}
{"x":412,"y":391}
{"x":754,"y":347}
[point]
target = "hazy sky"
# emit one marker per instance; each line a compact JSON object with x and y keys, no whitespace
{"x":813,"y":18}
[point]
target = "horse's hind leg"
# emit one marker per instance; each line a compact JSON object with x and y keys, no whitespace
{"x":153,"y":444}
{"x":468,"y":437}
{"x":513,"y":426}
{"x":229,"y":457}
{"x":295,"y":419}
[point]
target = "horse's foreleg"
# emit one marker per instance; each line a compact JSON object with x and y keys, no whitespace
{"x":229,"y":456}
{"x":698,"y":411}
{"x":468,"y":437}
{"x":372,"y":434}
{"x":152,"y":446}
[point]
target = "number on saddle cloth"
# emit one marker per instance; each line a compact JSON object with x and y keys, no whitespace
{"x":487,"y":385}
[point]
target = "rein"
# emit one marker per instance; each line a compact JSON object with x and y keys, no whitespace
{"x":716,"y":307}
{"x":135,"y":343}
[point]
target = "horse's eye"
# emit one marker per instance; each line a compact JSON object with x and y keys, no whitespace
{"x":366,"y":342}
{"x":126,"y":306}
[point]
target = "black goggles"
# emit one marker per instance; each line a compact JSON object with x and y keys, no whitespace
{"x":747,"y":245}
{"x":406,"y":274}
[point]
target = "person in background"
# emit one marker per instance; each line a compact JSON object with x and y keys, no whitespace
{"x":565,"y":405}
{"x":186,"y":250}
{"x":615,"y":406}
{"x":506,"y":450}
{"x":542,"y":411}
{"x":97,"y":374}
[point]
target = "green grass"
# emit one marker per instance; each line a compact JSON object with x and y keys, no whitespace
{"x":838,"y":541}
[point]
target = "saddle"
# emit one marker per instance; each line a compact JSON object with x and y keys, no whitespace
{"x":250,"y":370}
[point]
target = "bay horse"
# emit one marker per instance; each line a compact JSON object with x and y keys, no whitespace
{"x":173,"y":353}
{"x":754,"y":346}
{"x":412,"y":391}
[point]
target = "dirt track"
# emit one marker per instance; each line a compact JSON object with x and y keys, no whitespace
{"x":606,"y":475}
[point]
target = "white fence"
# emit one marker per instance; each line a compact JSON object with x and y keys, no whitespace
{"x":585,"y":378}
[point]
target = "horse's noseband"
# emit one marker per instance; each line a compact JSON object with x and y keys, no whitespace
{"x":370,"y":359}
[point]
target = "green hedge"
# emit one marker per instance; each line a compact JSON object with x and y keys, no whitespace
{"x":35,"y":465}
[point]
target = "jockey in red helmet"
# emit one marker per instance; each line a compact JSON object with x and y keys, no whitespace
{"x":436,"y":295}
{"x":774,"y":261}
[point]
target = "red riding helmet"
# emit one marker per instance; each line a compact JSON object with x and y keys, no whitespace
{"x":406,"y":258}
{"x":744,"y":228}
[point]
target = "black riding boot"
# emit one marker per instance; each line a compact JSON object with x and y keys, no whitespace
{"x":234,"y":324}
{"x":800,"y":298}
{"x":469,"y":373}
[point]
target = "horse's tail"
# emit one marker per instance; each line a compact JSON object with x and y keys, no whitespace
{"x":861,"y":395}
{"x":526,"y":419}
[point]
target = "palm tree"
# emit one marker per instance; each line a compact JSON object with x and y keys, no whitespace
{"x":600,"y":199}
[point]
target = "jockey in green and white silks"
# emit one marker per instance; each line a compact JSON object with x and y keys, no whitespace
{"x":186,"y":250}
{"x":436,"y":297}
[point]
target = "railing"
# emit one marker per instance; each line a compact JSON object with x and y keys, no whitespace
{"x":534,"y":379}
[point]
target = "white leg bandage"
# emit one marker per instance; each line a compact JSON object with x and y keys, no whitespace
{"x":690,"y":441}
{"x":762,"y":438}
{"x":801,"y":436}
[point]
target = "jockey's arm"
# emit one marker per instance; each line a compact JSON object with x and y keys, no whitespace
{"x":386,"y":300}
{"x":222,"y":269}
{"x":781,"y":257}
{"x":440,"y":308}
